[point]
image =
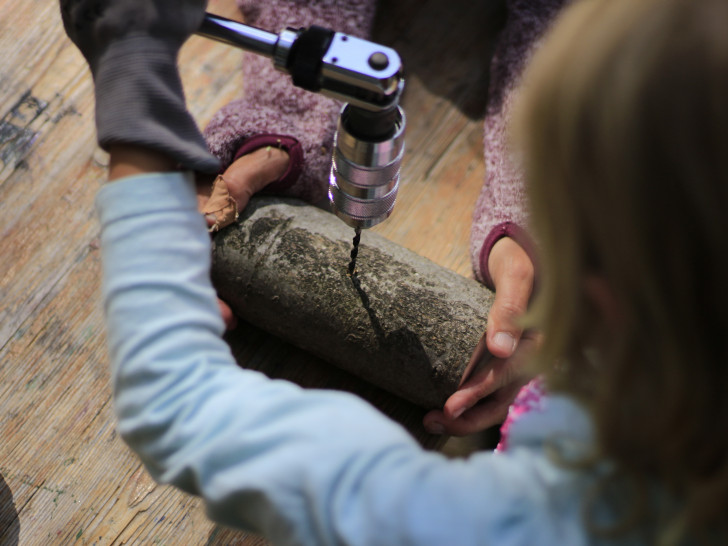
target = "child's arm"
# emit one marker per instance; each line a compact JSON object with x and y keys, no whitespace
{"x":301,"y":467}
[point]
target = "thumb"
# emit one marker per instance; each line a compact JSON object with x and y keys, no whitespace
{"x":512,"y":272}
{"x":504,"y":332}
{"x":511,"y":301}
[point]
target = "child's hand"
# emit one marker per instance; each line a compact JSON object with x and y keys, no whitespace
{"x":483,"y":400}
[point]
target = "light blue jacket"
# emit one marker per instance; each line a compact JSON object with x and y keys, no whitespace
{"x":298,"y":466}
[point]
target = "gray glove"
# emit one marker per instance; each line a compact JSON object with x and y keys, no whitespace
{"x":131,"y":47}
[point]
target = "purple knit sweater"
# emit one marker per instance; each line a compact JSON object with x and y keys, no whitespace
{"x":271,"y":106}
{"x":501,"y":209}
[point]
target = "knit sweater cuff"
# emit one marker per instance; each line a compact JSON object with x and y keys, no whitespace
{"x":505,"y":229}
{"x":283,"y":142}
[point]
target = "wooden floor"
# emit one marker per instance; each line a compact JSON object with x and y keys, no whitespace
{"x":65,"y":476}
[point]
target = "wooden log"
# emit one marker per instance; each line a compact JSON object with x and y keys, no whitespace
{"x":402,"y":322}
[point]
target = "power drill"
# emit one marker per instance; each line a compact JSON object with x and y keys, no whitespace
{"x":368,"y":77}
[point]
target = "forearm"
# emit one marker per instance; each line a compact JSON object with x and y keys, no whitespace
{"x":195,"y":418}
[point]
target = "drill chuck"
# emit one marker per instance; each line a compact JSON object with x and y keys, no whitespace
{"x":366,"y":163}
{"x":369,"y":141}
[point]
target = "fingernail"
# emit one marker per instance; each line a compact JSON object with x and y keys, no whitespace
{"x":458,"y":412}
{"x":504,"y":341}
{"x":435,"y":428}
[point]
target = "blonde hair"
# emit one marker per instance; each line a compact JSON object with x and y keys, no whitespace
{"x":624,"y":128}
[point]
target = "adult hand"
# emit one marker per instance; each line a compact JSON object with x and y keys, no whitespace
{"x":242,"y":179}
{"x":131,"y":47}
{"x":483,"y":399}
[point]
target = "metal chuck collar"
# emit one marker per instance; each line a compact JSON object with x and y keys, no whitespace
{"x":366,"y":164}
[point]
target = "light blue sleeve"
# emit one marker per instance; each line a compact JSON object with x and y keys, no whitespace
{"x":300,"y":467}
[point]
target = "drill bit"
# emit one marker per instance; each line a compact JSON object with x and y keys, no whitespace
{"x":354,"y":252}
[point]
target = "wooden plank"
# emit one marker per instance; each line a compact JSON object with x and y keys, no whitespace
{"x":78,"y":481}
{"x":433,"y":218}
{"x":63,"y":175}
{"x":63,"y":490}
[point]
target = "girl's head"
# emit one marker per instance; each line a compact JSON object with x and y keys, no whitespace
{"x":624,"y":128}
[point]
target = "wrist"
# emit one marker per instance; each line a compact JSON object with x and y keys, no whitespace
{"x":509,"y":258}
{"x":253,"y":172}
{"x":505,"y":230}
{"x":129,"y":160}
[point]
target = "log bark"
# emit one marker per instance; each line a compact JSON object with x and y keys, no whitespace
{"x":402,"y":322}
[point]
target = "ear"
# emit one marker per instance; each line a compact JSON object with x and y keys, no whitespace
{"x":601,"y":296}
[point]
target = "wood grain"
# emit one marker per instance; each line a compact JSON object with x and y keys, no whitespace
{"x":65,"y":477}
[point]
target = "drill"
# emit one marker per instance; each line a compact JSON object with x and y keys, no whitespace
{"x":369,"y":139}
